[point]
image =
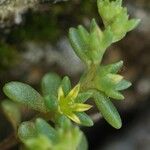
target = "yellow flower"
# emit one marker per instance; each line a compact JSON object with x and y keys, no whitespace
{"x":68,"y":105}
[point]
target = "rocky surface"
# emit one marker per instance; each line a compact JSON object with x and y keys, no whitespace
{"x":11,"y":10}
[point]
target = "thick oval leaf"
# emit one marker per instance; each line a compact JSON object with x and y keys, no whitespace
{"x":51,"y":102}
{"x":112,"y":68}
{"x":107,"y":38}
{"x":27,"y":130}
{"x":12,"y":112}
{"x":108,"y":110}
{"x":85,"y":120}
{"x":115,"y":94}
{"x":96,"y":34}
{"x":84,"y":96}
{"x":83,"y":145}
{"x":78,"y":44}
{"x":66,"y":85}
{"x":39,"y":143}
{"x":63,"y":122}
{"x":122,"y":85}
{"x":25,"y":94}
{"x":116,"y":17}
{"x":50,"y":84}
{"x":43,"y":128}
{"x":84,"y":35}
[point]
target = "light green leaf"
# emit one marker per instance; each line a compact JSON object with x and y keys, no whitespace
{"x":114,"y":78}
{"x":27,"y":130}
{"x":133,"y":23}
{"x":116,"y":18}
{"x":83,"y":97}
{"x":68,"y":139}
{"x":51,"y":102}
{"x":50,"y":83}
{"x":25,"y":94}
{"x":12,"y":112}
{"x":122,"y":85}
{"x":63,"y":122}
{"x":84,"y":35}
{"x":78,"y":45}
{"x":96,"y":52}
{"x":107,"y":38}
{"x":107,"y":82}
{"x":83,"y":145}
{"x":85,"y":119}
{"x":66,"y":85}
{"x":43,"y":128}
{"x":108,"y":110}
{"x":41,"y":142}
{"x":115,"y":94}
{"x":112,"y":68}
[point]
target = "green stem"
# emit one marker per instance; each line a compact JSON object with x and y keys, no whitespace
{"x":86,"y":80}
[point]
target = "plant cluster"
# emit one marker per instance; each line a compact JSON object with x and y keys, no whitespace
{"x":60,"y":103}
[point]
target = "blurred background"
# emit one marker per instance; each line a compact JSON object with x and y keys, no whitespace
{"x":34,"y":41}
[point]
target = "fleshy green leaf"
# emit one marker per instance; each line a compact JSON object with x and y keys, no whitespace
{"x":68,"y":139}
{"x":85,"y":119}
{"x":66,"y":85}
{"x":112,"y":68}
{"x":27,"y":130}
{"x":43,"y":128}
{"x":84,"y":35}
{"x":41,"y":142}
{"x":96,"y":52}
{"x":78,"y":45}
{"x":25,"y":94}
{"x":83,"y":97}
{"x":12,"y":112}
{"x":114,"y":78}
{"x":99,"y":42}
{"x":113,"y":8}
{"x":51,"y":102}
{"x":115,"y":94}
{"x":90,"y":46}
{"x":50,"y":84}
{"x":133,"y":23}
{"x":107,"y":38}
{"x":107,"y":82}
{"x":116,"y":18}
{"x":108,"y":110}
{"x":63,"y":122}
{"x":122,"y":85}
{"x":83,"y":145}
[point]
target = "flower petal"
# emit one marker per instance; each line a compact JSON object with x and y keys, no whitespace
{"x":60,"y":93}
{"x":74,"y":92}
{"x":78,"y":107}
{"x":73,"y":117}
